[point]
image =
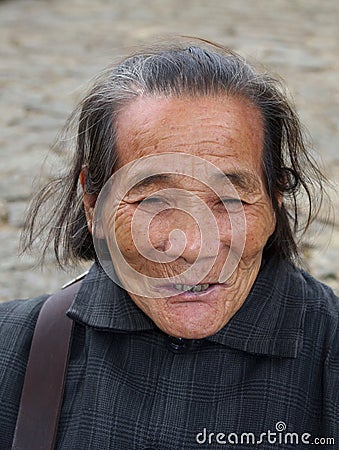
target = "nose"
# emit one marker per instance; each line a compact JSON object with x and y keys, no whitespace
{"x":184,"y":240}
{"x":192,"y":235}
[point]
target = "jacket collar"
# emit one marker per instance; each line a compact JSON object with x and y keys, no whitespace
{"x":269,"y":323}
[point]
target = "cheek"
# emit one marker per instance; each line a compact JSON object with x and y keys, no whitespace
{"x":260,"y":224}
{"x":123,"y":228}
{"x":139,"y":234}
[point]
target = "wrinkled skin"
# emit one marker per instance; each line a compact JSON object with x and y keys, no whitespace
{"x":227,"y":132}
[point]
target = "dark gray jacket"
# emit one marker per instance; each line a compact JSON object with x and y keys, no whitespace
{"x":267,"y":380}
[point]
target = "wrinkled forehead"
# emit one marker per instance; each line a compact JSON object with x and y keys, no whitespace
{"x":222,"y":130}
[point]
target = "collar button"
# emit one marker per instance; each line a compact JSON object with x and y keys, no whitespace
{"x":178,"y":345}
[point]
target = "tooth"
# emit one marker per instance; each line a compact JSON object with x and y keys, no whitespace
{"x":183,"y":287}
{"x":188,"y":287}
{"x":200,"y":287}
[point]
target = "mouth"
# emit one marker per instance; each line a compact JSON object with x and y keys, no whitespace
{"x":191,"y":288}
{"x":191,"y":292}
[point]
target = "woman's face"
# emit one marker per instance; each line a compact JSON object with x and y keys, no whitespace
{"x":194,"y":214}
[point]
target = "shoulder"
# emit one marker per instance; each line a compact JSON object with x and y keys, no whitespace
{"x":299,"y":302}
{"x":321,"y":307}
{"x":319,"y":299}
{"x":17,"y":323}
{"x":19,"y":316}
{"x":296,"y":285}
{"x":295,"y":292}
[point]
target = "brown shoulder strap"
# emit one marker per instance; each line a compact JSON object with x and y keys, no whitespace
{"x":42,"y":393}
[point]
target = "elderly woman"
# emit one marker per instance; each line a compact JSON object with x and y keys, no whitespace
{"x":194,"y":325}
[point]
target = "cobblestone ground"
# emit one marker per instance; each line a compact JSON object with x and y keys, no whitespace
{"x":50,"y":49}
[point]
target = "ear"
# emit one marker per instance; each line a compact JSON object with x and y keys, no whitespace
{"x":280,"y":198}
{"x":89,"y":200}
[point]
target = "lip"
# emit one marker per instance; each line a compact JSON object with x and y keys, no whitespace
{"x":188,"y":296}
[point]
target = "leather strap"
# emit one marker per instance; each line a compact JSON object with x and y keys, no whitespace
{"x":42,"y":393}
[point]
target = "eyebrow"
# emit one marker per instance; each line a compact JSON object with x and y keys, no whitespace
{"x":242,"y":179}
{"x":151,"y":179}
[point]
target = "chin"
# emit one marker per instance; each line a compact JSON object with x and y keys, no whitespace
{"x":191,"y":331}
{"x":194,"y":319}
{"x":201,"y":334}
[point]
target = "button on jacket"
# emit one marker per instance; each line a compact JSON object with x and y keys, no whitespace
{"x":271,"y":371}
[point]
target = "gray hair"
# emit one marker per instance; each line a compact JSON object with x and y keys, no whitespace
{"x":186,"y":68}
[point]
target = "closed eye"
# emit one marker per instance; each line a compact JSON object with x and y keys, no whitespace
{"x":232,"y":204}
{"x":231,"y":200}
{"x":153,"y":204}
{"x":151,"y":200}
